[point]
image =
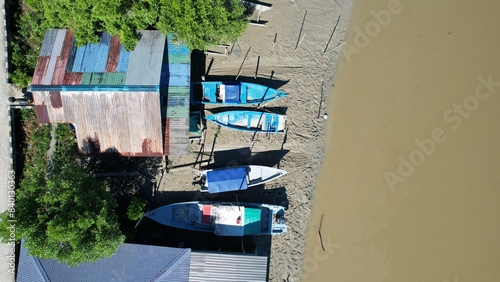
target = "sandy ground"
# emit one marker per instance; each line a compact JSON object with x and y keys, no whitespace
{"x":305,"y":73}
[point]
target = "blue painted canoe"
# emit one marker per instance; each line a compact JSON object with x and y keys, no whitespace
{"x":233,"y":93}
{"x":253,"y":121}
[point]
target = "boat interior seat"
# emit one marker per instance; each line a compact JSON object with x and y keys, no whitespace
{"x":194,"y":212}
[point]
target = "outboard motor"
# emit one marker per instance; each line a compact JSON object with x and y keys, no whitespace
{"x":280,"y":217}
{"x":280,"y":220}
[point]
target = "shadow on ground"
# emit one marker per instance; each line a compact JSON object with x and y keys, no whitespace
{"x":244,"y":156}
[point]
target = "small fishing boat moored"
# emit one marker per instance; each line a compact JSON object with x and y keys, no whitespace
{"x":253,"y":121}
{"x":233,"y":93}
{"x":237,"y":178}
{"x":223,"y":218}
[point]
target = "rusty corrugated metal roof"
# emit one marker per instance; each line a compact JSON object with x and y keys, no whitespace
{"x":112,"y":96}
{"x":42,"y":114}
{"x":60,"y":59}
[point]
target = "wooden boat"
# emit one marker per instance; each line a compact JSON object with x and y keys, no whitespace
{"x":250,"y":121}
{"x":233,"y":93}
{"x":223,"y":218}
{"x":237,"y":178}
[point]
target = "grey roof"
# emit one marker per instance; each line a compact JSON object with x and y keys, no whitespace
{"x":146,"y":59}
{"x":222,"y":267}
{"x":148,"y":263}
{"x":130,"y":263}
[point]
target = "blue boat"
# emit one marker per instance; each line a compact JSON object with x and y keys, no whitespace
{"x":233,"y":93}
{"x":253,"y":121}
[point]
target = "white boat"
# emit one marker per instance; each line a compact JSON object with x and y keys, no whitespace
{"x":237,"y":178}
{"x":223,"y":218}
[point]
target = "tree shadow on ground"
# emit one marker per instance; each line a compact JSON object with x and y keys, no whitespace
{"x":125,"y":176}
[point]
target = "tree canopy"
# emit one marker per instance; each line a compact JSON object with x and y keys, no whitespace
{"x":61,"y":212}
{"x":197,"y":23}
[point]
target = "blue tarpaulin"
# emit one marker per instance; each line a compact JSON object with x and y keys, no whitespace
{"x":232,"y":93}
{"x":224,"y":180}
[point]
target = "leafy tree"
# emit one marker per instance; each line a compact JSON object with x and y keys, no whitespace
{"x":61,"y":212}
{"x":198,"y":23}
{"x":136,"y":208}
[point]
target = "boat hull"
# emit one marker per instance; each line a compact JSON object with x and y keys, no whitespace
{"x":223,"y":218}
{"x":222,"y":180}
{"x":233,"y":93}
{"x":252,"y":121}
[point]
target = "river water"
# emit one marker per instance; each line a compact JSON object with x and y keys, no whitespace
{"x":410,"y":187}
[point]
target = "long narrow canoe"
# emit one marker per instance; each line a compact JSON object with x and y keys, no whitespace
{"x":250,"y":121}
{"x":233,"y":93}
{"x":223,"y":218}
{"x":237,"y":178}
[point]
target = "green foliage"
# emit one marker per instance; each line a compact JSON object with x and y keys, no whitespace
{"x":202,"y":23}
{"x":197,"y":23}
{"x":136,"y":208}
{"x":67,"y":216}
{"x":5,"y":232}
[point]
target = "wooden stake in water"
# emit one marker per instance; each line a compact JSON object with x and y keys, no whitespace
{"x":319,"y":232}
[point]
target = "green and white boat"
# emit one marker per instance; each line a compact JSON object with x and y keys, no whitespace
{"x":223,"y":218}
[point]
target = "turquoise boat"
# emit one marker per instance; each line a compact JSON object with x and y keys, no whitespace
{"x":253,"y":121}
{"x":223,"y":218}
{"x":233,"y":93}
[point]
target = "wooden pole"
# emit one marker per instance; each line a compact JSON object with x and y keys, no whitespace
{"x":209,"y":66}
{"x":239,"y":71}
{"x":320,"y":100}
{"x":319,"y":232}
{"x":338,"y":19}
{"x":300,"y":33}
{"x":301,"y":40}
{"x":256,"y":68}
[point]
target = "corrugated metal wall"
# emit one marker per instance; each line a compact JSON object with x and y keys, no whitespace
{"x":220,"y":267}
{"x":176,"y":89}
